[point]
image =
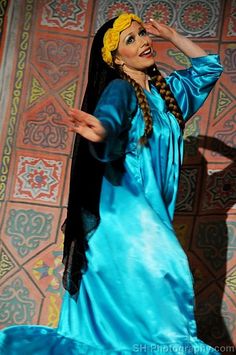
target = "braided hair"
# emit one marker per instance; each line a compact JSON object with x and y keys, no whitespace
{"x":143,"y":103}
{"x":166,"y":93}
{"x":164,"y":90}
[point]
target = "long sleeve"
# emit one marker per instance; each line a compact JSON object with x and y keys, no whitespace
{"x":192,"y":86}
{"x":115,"y":109}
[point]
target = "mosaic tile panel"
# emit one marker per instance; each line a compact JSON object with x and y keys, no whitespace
{"x":196,"y":18}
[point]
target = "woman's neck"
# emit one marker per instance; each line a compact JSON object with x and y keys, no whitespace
{"x":139,"y":76}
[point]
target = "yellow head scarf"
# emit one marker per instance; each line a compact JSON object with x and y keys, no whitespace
{"x":112,"y":35}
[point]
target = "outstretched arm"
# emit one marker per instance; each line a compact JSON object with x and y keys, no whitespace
{"x":86,"y":125}
{"x":183,"y":43}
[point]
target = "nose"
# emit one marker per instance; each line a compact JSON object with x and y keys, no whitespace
{"x":144,"y":41}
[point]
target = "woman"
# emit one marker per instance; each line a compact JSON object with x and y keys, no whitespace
{"x":128,"y":279}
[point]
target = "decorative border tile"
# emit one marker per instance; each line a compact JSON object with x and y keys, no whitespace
{"x":38,"y":178}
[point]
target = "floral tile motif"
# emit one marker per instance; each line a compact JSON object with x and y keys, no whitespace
{"x":38,"y":179}
{"x":108,"y":9}
{"x":163,"y":11}
{"x":65,"y":14}
{"x":196,"y":18}
{"x":199,"y":18}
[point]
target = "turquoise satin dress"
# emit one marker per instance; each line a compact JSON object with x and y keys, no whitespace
{"x":137,"y":294}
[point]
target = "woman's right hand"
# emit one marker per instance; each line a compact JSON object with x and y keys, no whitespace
{"x":86,"y":125}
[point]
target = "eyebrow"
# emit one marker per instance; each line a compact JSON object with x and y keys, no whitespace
{"x":132,"y":32}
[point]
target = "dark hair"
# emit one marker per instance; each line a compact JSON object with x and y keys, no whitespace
{"x":86,"y":175}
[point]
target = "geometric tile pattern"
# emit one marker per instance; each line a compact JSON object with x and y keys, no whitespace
{"x":37,"y":179}
{"x":68,"y":14}
{"x":51,"y":42}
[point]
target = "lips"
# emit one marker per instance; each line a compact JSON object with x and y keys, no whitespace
{"x":146,"y":53}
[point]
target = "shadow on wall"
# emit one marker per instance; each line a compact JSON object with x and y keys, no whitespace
{"x":212,"y":245}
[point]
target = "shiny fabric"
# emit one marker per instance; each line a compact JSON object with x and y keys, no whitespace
{"x":137,"y":294}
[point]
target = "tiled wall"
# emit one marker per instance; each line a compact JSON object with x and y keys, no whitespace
{"x":43,"y":72}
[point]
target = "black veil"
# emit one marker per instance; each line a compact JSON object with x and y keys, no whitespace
{"x":86,"y":175}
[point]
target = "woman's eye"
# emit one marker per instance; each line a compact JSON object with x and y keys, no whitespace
{"x":143,"y":32}
{"x":130,"y":40}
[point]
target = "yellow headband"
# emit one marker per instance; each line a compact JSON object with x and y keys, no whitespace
{"x":112,"y":35}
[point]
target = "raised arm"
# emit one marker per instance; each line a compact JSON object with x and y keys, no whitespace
{"x":191,"y":86}
{"x":183,"y":43}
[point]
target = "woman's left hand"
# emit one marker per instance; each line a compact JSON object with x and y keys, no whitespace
{"x":184,"y":44}
{"x":159,"y":29}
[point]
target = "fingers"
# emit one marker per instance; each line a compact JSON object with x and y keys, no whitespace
{"x":81,"y":117}
{"x":86,"y":125}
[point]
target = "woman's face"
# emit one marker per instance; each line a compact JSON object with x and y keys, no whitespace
{"x":135,"y":48}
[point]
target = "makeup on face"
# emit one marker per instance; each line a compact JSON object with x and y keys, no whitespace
{"x":135,"y":47}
